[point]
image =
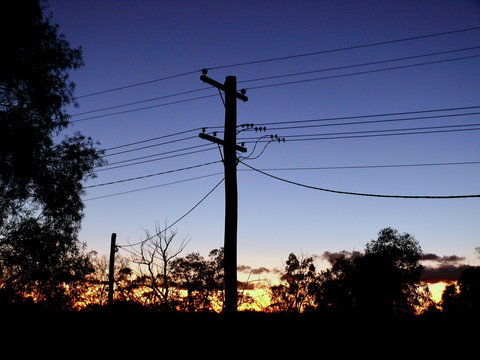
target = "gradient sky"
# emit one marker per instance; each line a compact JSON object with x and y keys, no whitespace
{"x":129,"y":42}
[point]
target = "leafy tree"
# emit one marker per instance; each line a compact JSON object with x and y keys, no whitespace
{"x":41,"y":175}
{"x":384,"y":281}
{"x":201,"y":280}
{"x":464,"y":297}
{"x":43,"y":264}
{"x":295,"y":292}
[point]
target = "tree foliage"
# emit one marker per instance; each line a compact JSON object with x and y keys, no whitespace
{"x":41,"y":175}
{"x":201,"y":280}
{"x":384,"y":281}
{"x":463,"y":298}
{"x":298,"y":281}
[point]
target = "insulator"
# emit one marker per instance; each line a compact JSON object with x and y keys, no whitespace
{"x":204,"y":71}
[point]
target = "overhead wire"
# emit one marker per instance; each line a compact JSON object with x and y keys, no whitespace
{"x":153,"y":186}
{"x":178,"y":220}
{"x":321,"y":120}
{"x":152,"y":139}
{"x":360,"y":73}
{"x":144,"y":108}
{"x":136,"y":84}
{"x":362,"y":194}
{"x":357,"y":65}
{"x":151,"y":175}
{"x":281,"y":76}
{"x":325,"y":137}
{"x":151,"y":146}
{"x":344,"y":167}
{"x":280,"y":58}
{"x":110,"y":167}
{"x":287,"y":137}
{"x":418,"y":37}
{"x":371,"y":115}
{"x":348,"y":167}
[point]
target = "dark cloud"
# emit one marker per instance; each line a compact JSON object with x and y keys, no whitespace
{"x":253,"y":271}
{"x":444,"y":272}
{"x":442,"y":259}
{"x":244,"y":268}
{"x":331,"y":257}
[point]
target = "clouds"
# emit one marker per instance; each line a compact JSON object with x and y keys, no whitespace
{"x":253,"y":271}
{"x":436,"y":268}
{"x":331,"y":257}
{"x":444,"y":269}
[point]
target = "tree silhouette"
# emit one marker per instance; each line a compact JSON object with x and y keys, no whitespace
{"x":200,"y":280}
{"x":463,"y":299}
{"x":298,"y":281}
{"x":37,"y":262}
{"x":382,"y":282}
{"x":155,"y":259}
{"x":40,"y":177}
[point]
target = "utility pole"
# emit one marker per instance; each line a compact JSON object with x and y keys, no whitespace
{"x":111,"y":269}
{"x":230,"y":167}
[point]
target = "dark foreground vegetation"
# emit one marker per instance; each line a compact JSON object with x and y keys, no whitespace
{"x":382,"y":284}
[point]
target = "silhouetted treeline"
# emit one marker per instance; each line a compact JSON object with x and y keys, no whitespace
{"x":383,"y":282}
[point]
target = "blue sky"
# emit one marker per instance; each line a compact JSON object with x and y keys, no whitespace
{"x":130,"y":42}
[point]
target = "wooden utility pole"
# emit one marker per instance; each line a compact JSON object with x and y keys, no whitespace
{"x":230,"y":165}
{"x":111,"y":269}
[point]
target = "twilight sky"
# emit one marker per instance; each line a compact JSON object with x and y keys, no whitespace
{"x":361,"y":101}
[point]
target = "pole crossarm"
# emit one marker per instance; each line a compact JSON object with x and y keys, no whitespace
{"x":220,"y":141}
{"x":240,"y":95}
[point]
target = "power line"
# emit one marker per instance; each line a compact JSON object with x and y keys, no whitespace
{"x":157,"y":154}
{"x":151,"y":175}
{"x":321,"y":120}
{"x":280,"y":128}
{"x":363,"y":194}
{"x":346,"y":48}
{"x":370,"y":121}
{"x":361,"y":72}
{"x":378,"y":131}
{"x":144,"y":108}
{"x":137,"y":84}
{"x":179,"y":219}
{"x":150,"y":146}
{"x":369,"y":166}
{"x":163,"y":153}
{"x":349,"y":167}
{"x":152,"y":139}
{"x":374,"y":135}
{"x":152,"y":187}
{"x":275,"y":85}
{"x":371,"y":115}
{"x":358,"y":65}
{"x":279,"y":76}
{"x":140,"y":101}
{"x":103,"y":168}
{"x":280,"y":58}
